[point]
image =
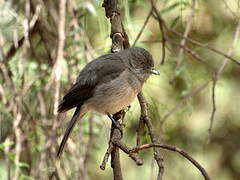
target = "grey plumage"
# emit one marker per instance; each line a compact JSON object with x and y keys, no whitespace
{"x":107,"y":84}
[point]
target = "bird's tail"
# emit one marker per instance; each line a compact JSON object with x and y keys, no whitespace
{"x":70,"y":126}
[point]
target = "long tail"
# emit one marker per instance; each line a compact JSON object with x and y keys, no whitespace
{"x":70,"y":126}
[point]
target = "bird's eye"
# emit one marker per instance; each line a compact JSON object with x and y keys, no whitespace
{"x":141,"y":62}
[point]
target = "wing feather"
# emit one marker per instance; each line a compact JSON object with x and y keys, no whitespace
{"x":100,"y":70}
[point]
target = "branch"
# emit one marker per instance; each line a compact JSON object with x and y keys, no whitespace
{"x":119,"y":42}
{"x":186,"y":33}
{"x":143,"y":27}
{"x":160,"y":19}
{"x":217,"y":75}
{"x":161,"y":27}
{"x":175,"y":149}
{"x":154,"y":138}
{"x":184,"y":98}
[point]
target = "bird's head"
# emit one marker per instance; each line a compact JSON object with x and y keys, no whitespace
{"x":142,"y":63}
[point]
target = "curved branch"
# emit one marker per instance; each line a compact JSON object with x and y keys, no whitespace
{"x":178,"y":150}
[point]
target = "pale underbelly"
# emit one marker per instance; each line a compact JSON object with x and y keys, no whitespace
{"x":113,"y":101}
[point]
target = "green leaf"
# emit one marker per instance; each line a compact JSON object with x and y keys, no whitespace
{"x":173,"y":6}
{"x":6,"y":144}
{"x":175,"y":21}
{"x":22,"y":165}
{"x":24,"y":177}
{"x":170,"y":8}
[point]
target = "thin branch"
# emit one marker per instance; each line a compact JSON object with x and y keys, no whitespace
{"x":161,"y":27}
{"x":206,"y":46}
{"x":186,"y":33}
{"x":154,"y":138}
{"x":216,"y":77}
{"x":106,"y":157}
{"x":193,"y":53}
{"x":213,"y":109}
{"x":175,"y":149}
{"x":183,"y":99}
{"x":187,"y":49}
{"x":143,"y":27}
{"x":159,"y":18}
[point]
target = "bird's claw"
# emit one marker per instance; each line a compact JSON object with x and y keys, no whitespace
{"x":116,"y":124}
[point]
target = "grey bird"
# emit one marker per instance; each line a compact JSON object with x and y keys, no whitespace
{"x":107,"y":85}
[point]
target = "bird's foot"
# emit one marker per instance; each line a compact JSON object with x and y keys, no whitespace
{"x":116,"y":124}
{"x":128,"y":108}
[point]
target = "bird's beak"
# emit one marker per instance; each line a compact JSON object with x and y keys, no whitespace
{"x":154,"y":71}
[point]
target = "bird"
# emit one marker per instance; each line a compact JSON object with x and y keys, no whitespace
{"x":107,"y":85}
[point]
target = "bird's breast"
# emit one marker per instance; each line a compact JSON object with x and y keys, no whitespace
{"x":113,"y":96}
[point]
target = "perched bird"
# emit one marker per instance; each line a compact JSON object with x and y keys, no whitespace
{"x":107,"y":85}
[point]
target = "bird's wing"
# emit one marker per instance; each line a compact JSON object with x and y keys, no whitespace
{"x":100,"y":70}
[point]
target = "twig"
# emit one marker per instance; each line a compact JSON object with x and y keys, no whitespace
{"x":206,"y":46}
{"x":175,"y":149}
{"x":184,"y":98}
{"x":187,"y":49}
{"x":161,"y":27}
{"x":216,"y":77}
{"x":193,"y":53}
{"x":106,"y":157}
{"x":143,"y":27}
{"x":144,"y":114}
{"x":186,"y":33}
{"x":159,"y":18}
{"x":213,"y":109}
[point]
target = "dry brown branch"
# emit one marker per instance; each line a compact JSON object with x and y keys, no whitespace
{"x":169,"y":30}
{"x":161,"y":27}
{"x":206,"y":46}
{"x":154,"y":138}
{"x":196,"y":56}
{"x":106,"y":156}
{"x":192,"y":53}
{"x":217,"y":75}
{"x":119,"y":42}
{"x":175,"y":149}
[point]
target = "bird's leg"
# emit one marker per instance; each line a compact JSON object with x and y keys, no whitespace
{"x":116,"y":123}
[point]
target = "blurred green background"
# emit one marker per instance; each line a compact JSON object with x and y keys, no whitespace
{"x":30,"y":132}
